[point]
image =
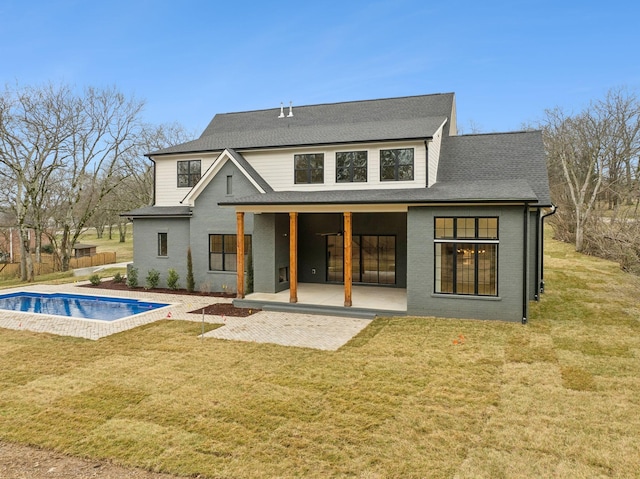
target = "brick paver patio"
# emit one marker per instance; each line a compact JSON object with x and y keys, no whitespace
{"x":286,"y":329}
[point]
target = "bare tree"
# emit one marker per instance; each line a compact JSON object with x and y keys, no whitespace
{"x":593,"y":163}
{"x":33,"y":123}
{"x":105,"y":128}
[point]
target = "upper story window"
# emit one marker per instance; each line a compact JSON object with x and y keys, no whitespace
{"x":351,"y":166}
{"x":309,"y":168}
{"x":188,"y":173}
{"x":396,"y":165}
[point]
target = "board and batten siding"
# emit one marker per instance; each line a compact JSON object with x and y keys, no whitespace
{"x":276,"y":167}
{"x":167,"y":191}
{"x":434,"y":157}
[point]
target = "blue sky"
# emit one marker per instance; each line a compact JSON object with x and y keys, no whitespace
{"x":506,"y":61}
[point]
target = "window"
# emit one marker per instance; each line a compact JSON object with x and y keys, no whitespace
{"x":396,"y":165}
{"x":466,"y":256}
{"x":162,"y":244}
{"x":229,"y":185}
{"x":188,"y":173}
{"x":309,"y":168}
{"x":222,"y":252}
{"x":351,"y":166}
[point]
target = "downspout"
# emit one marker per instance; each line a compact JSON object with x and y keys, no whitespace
{"x":554,"y":210}
{"x":525,"y":264}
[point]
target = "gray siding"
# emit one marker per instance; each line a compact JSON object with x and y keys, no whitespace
{"x":421,"y":299}
{"x":208,"y":218}
{"x":145,"y":249}
{"x":271,"y":251}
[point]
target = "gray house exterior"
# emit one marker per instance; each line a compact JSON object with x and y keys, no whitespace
{"x":381,"y":193}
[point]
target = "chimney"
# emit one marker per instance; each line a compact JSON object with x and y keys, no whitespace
{"x":281,"y":110}
{"x":290,"y":115}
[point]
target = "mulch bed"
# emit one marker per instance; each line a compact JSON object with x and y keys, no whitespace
{"x":218,"y":309}
{"x":226,"y":309}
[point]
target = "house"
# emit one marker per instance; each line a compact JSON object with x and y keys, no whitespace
{"x":380,"y":193}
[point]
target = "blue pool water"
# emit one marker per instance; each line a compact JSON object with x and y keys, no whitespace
{"x":102,"y":308}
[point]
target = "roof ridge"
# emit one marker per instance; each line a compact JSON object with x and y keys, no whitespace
{"x":370,"y":100}
{"x":515,"y":132}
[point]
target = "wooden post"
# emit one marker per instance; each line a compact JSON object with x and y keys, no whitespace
{"x":348,"y":260}
{"x":293,"y":257}
{"x":240,"y":253}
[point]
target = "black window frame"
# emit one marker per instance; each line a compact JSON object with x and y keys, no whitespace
{"x":163,"y":244}
{"x":304,"y":173}
{"x":351,"y":168}
{"x":227,"y":263}
{"x":191,"y":176}
{"x":462,"y":243}
{"x":395,"y":156}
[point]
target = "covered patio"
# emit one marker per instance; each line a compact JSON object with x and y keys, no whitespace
{"x":367,"y":301}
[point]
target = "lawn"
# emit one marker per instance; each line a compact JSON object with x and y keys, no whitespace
{"x":408,"y":397}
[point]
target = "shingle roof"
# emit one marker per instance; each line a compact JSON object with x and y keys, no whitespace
{"x":158,"y":211}
{"x":250,"y":170}
{"x":451,"y":192}
{"x":497,"y":156}
{"x":358,"y":121}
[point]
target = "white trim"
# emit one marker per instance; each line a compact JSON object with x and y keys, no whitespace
{"x":211,"y":172}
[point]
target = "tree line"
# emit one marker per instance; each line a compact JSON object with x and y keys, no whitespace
{"x":594,"y":171}
{"x":70,"y":160}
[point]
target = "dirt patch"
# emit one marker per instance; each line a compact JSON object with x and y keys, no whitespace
{"x":226,"y":309}
{"x":22,"y":462}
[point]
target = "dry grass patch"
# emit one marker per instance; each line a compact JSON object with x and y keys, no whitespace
{"x":407,"y":397}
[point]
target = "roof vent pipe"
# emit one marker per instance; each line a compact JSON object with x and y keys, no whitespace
{"x":290,"y":115}
{"x":281,"y":110}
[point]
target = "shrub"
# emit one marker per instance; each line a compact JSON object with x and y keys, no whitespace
{"x":94,"y":279}
{"x":132,"y":277}
{"x":191,"y":284}
{"x":153,"y":278}
{"x":172,"y":279}
{"x":47,"y":249}
{"x":117,"y":278}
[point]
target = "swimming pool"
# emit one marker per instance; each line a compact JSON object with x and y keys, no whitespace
{"x":101,"y":308}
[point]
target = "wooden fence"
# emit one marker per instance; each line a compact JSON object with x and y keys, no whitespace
{"x":51,"y":264}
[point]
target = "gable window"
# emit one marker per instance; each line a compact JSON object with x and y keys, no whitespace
{"x":396,"y":165}
{"x":162,"y":244}
{"x":351,"y":166}
{"x":188,"y":173}
{"x":309,"y":168}
{"x":466,"y":256}
{"x":223,"y":253}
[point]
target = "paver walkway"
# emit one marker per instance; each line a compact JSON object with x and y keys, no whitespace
{"x":286,"y":329}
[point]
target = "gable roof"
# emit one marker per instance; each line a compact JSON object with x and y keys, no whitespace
{"x":504,"y":157}
{"x":243,"y":166}
{"x":402,"y":118}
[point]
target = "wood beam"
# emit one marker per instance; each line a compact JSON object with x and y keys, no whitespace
{"x":348,"y":259}
{"x":293,"y":257}
{"x":240,"y":253}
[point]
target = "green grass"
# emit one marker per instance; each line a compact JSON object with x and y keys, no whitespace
{"x":408,"y":397}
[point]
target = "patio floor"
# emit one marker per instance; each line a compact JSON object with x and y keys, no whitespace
{"x":376,"y":298}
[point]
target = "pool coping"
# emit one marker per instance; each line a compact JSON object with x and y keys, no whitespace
{"x":178,"y":307}
{"x":313,"y":331}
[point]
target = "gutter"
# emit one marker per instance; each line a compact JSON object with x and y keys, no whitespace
{"x":525,"y":264}
{"x":554,"y":210}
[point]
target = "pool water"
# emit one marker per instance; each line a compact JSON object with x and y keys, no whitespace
{"x":102,"y":308}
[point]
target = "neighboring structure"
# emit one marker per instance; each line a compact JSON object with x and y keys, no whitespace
{"x":380,"y":192}
{"x":81,"y":250}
